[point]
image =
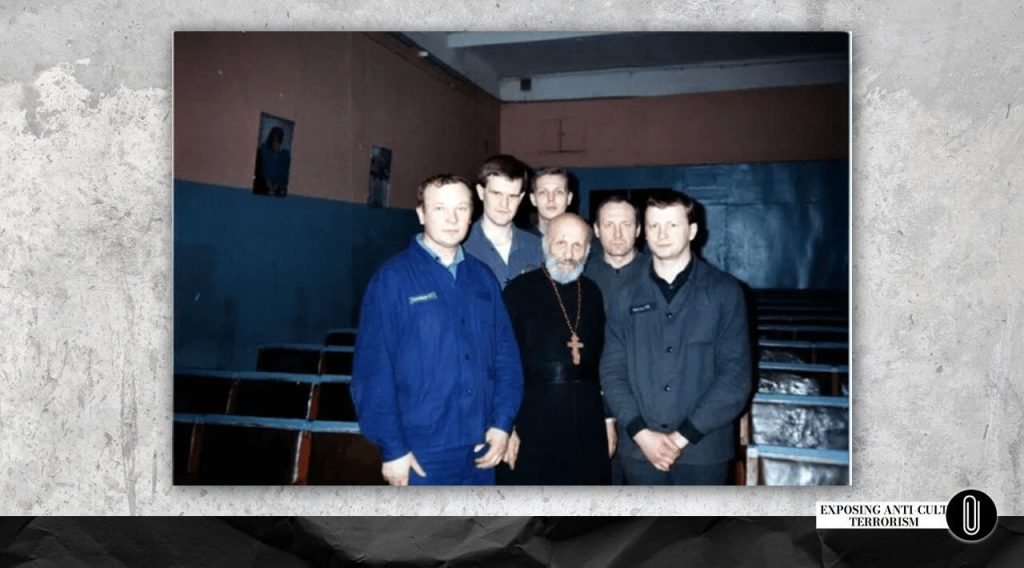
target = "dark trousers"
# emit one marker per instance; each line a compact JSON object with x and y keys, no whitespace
{"x":451,"y":466}
{"x":618,"y":478}
{"x":641,"y":472}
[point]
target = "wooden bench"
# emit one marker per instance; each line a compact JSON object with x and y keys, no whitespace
{"x":750,"y":470}
{"x":815,"y":319}
{"x":824,"y":352}
{"x":306,"y":422}
{"x":306,"y":358}
{"x":814,"y":466}
{"x":289,"y":358}
{"x":834,"y":376}
{"x":345,"y":337}
{"x":801,"y":331}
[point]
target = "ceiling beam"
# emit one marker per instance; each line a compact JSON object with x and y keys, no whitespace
{"x":467,"y":65}
{"x":646,"y":82}
{"x":462,"y":40}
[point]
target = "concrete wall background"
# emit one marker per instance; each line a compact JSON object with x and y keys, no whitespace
{"x":85,"y":255}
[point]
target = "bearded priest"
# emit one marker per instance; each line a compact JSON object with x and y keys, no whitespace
{"x":563,"y":434}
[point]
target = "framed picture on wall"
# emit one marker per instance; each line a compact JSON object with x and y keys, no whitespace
{"x":273,"y":156}
{"x":380,"y":176}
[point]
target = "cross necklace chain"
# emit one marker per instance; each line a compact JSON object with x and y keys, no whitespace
{"x":574,"y":342}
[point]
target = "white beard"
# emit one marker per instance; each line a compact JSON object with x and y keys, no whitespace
{"x":559,"y":275}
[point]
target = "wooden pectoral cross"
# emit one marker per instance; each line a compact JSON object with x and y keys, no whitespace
{"x":575,"y":345}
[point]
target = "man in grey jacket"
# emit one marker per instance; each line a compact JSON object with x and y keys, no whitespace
{"x":619,"y":263}
{"x":676,"y":367}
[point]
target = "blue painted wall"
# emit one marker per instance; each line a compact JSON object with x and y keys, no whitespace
{"x":252,"y":269}
{"x":773,"y":225}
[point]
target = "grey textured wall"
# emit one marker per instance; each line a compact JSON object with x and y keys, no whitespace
{"x":85,"y":253}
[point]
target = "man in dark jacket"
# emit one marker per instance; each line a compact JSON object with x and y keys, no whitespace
{"x":618,"y":263}
{"x":676,"y":367}
{"x":437,"y":379}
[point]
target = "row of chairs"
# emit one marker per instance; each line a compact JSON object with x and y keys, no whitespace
{"x":797,"y":429}
{"x":291,"y":421}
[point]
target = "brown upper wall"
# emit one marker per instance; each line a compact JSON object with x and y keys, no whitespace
{"x":758,"y":125}
{"x":349,"y":91}
{"x":345,"y":91}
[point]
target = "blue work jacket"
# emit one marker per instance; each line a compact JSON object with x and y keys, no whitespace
{"x":436,"y":361}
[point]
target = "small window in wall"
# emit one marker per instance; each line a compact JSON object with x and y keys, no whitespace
{"x":273,"y":156}
{"x":380,"y":177}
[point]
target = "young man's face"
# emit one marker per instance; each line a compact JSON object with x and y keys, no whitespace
{"x":501,"y":198}
{"x":445,"y":215}
{"x":551,"y":196}
{"x":669,"y":232}
{"x":616,"y":228}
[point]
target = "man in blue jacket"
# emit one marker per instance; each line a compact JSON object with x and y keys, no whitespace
{"x":437,"y":378}
{"x":676,"y":368}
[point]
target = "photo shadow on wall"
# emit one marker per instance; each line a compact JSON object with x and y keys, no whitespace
{"x":273,"y":156}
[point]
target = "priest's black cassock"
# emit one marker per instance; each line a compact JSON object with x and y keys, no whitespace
{"x":561,"y":422}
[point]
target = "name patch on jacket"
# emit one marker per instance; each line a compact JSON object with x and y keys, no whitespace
{"x":422,"y":298}
{"x":641,"y":308}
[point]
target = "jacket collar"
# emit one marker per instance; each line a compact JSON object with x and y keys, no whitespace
{"x":648,"y":290}
{"x":476,"y":232}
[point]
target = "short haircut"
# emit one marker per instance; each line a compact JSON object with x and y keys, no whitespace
{"x":616,"y":199}
{"x":549,"y":171}
{"x":663,"y":198}
{"x":438,"y":181}
{"x":505,"y":166}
